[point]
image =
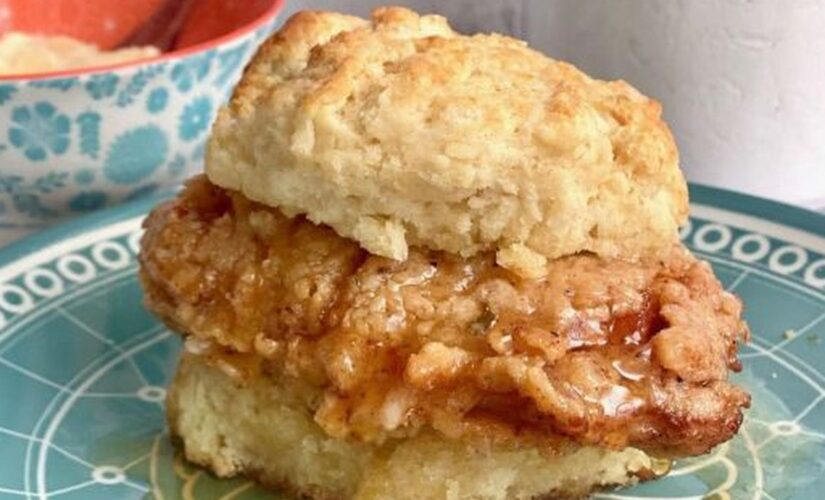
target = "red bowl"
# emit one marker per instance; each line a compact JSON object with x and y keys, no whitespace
{"x":175,"y":26}
{"x":210,"y":19}
{"x":102,"y":22}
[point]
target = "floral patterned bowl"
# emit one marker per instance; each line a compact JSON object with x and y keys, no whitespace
{"x":76,"y":141}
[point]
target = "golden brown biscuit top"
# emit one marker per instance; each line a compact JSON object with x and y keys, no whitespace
{"x":398,"y":131}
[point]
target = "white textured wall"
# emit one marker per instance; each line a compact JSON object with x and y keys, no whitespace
{"x":742,"y":81}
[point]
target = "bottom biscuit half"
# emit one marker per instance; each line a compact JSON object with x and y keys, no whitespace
{"x":264,"y":429}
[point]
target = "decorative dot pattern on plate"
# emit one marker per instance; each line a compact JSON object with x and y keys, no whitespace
{"x":87,"y":366}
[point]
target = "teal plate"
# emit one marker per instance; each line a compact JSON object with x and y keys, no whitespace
{"x":83,"y":366}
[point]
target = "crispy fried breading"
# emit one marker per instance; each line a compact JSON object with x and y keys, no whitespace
{"x":603,"y":352}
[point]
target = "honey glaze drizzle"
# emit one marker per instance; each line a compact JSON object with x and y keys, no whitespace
{"x":583,"y":345}
{"x":624,"y":346}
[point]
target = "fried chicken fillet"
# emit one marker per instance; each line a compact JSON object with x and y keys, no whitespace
{"x":598,"y":354}
{"x":424,"y":265}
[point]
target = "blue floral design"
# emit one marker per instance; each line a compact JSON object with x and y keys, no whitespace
{"x":49,"y":182}
{"x":84,"y":177}
{"x":182,"y":77}
{"x":89,"y":123}
{"x":157,"y":100}
{"x":186,"y":73}
{"x":62,"y":84}
{"x":100,"y":86}
{"x":6,"y":91}
{"x":38,"y":130}
{"x":30,"y":204}
{"x":136,"y":154}
{"x":25,"y":198}
{"x":230,"y":62}
{"x":88,"y":201}
{"x":141,"y":192}
{"x":195,"y":118}
{"x":137,"y":84}
{"x":178,"y":165}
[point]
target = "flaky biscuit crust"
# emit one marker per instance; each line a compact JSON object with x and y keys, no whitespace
{"x":262,"y":428}
{"x":398,"y":132}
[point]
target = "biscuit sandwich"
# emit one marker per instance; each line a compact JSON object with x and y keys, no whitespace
{"x":428,"y":265}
